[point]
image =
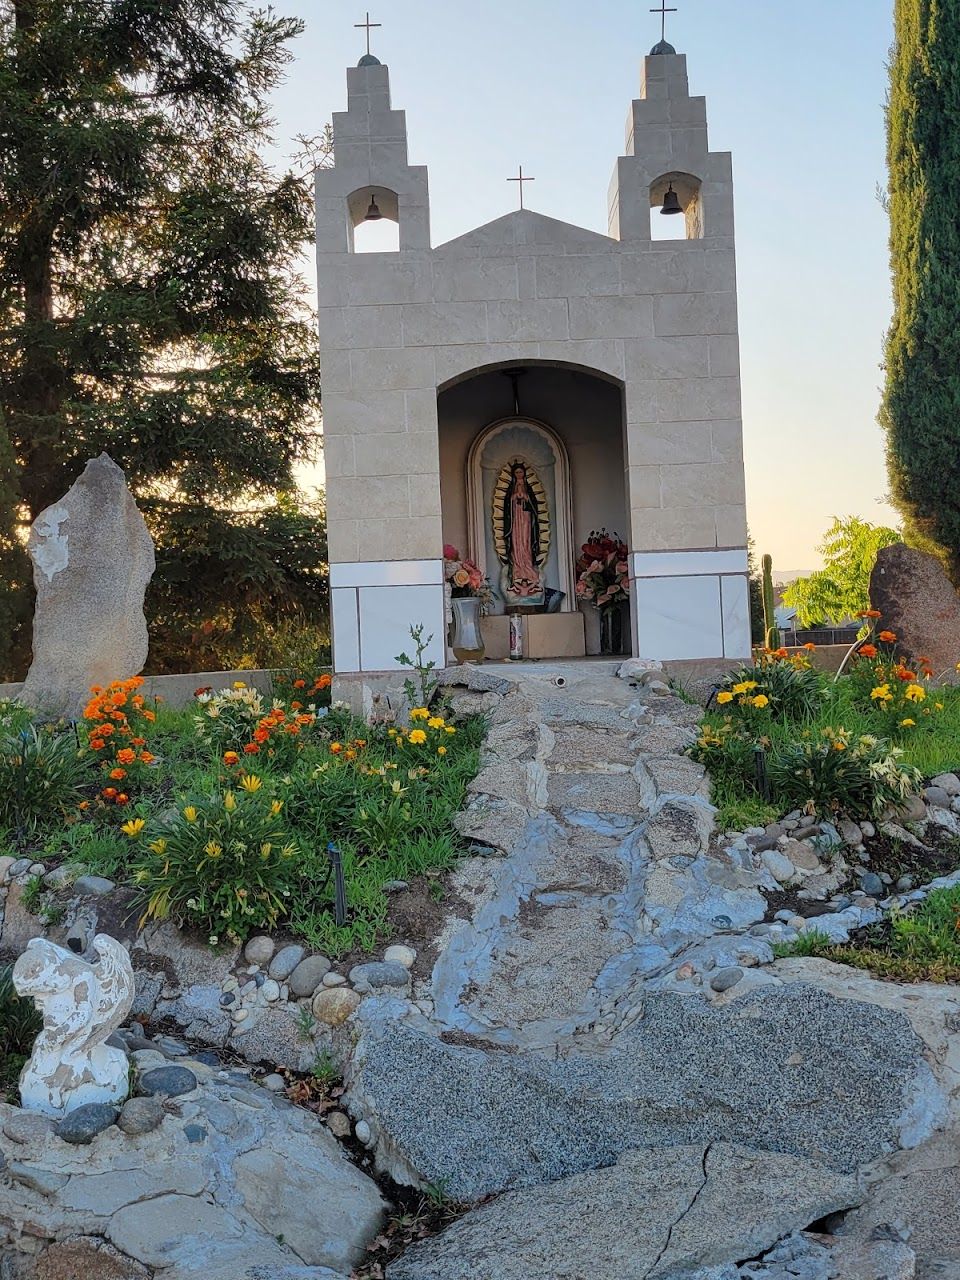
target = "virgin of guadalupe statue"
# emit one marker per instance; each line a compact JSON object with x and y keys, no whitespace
{"x":522,"y":532}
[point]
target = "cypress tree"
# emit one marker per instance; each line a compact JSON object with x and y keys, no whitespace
{"x":149,"y":299}
{"x":921,"y":409}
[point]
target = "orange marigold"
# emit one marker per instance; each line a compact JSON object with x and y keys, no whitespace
{"x":118,"y":774}
{"x":887,"y":637}
{"x":147,"y":757}
{"x":231,"y":757}
{"x":109,"y":792}
{"x":126,"y":756}
{"x":868,"y":651}
{"x":299,"y":684}
{"x":251,"y":749}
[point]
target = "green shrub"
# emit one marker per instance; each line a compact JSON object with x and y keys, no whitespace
{"x":20,"y":1024}
{"x":225,"y":863}
{"x":836,"y":772}
{"x":788,"y":687}
{"x":42,"y":772}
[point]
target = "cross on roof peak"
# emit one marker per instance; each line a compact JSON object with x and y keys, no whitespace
{"x":520,"y":180}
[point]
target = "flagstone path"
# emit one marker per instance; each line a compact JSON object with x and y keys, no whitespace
{"x":608,"y":884}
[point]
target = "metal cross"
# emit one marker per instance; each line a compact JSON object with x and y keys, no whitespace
{"x":521,"y":180}
{"x":663,"y":11}
{"x":368,"y":24}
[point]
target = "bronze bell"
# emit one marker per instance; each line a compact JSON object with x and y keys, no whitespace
{"x":671,"y":202}
{"x":374,"y":214}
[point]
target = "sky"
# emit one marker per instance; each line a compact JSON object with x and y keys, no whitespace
{"x":794,"y":90}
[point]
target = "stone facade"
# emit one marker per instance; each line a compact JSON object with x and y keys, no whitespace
{"x":656,"y":319}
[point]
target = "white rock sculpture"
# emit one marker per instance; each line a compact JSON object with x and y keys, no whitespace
{"x":92,"y":560}
{"x":81,"y":1004}
{"x":641,"y":669}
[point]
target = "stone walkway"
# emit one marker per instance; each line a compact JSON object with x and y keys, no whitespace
{"x":608,"y":885}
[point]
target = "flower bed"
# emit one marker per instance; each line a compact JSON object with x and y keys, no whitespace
{"x":219,"y":816}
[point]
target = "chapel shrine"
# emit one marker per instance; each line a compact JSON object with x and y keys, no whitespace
{"x":524,"y":384}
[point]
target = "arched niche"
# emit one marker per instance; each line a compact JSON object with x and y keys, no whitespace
{"x":687,"y":188}
{"x":381,"y":235}
{"x":495,"y":451}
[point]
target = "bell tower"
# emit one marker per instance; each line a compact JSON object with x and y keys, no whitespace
{"x":370,"y":170}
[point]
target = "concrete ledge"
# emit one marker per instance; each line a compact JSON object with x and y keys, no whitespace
{"x":178,"y":690}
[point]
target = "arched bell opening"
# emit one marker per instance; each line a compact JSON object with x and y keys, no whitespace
{"x":374,"y":220}
{"x":676,"y":209}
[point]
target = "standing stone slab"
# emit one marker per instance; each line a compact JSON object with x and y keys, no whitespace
{"x":92,"y":560}
{"x":918,"y":602}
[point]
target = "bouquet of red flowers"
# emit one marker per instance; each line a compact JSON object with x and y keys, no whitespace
{"x":603,"y":574}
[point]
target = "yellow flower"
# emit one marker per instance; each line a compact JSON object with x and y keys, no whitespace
{"x":724,"y":697}
{"x":839,"y":745}
{"x":229,"y":802}
{"x":417,"y":736}
{"x":881,"y":693}
{"x":190,"y":813}
{"x":435,"y":722}
{"x":761,"y":700}
{"x":419,"y":713}
{"x":938,"y":705}
{"x":448,"y":728}
{"x":239,"y":684}
{"x":212,"y":849}
{"x":908,"y":724}
{"x":915,"y":693}
{"x":265,"y":849}
{"x":441,"y":751}
{"x":276,"y":806}
{"x":133,"y":827}
{"x":250,"y":782}
{"x":158,"y":846}
{"x":745,"y":686}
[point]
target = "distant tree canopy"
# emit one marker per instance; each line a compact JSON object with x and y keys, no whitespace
{"x":150,"y":305}
{"x":841,"y":589}
{"x":921,"y":408}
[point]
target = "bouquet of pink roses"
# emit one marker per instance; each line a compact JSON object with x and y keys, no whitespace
{"x":464,"y":575}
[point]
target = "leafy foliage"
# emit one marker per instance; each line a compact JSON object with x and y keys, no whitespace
{"x":784,"y":685}
{"x":150,"y":305}
{"x":921,"y":408}
{"x":834,"y":772}
{"x":20,"y":1024}
{"x":42,"y":772}
{"x":841,"y":589}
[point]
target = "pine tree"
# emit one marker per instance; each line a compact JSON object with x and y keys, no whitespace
{"x":149,"y":300}
{"x":921,"y":410}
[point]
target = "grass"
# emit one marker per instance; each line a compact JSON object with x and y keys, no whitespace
{"x":922,"y":945}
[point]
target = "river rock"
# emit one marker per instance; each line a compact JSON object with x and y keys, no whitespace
{"x":169,"y":1081}
{"x":285,"y":961}
{"x":378,"y":975}
{"x":676,"y":1210}
{"x":259,"y":950}
{"x":308,"y":975}
{"x":918,"y":602}
{"x":949,"y":781}
{"x":92,"y":560}
{"x":779,"y":865}
{"x":84,"y":1123}
{"x":140,"y":1115}
{"x":333,"y":1005}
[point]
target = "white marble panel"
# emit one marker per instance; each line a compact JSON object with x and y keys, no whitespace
{"x":679,"y":618}
{"x":387,"y":573}
{"x":667,"y":564}
{"x":345,"y":625}
{"x":386,"y":616}
{"x":735,"y":613}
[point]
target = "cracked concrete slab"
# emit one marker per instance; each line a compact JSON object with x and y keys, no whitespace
{"x":654,"y":1214}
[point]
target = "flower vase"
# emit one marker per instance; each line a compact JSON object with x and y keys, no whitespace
{"x":611,"y":630}
{"x":466,"y":640}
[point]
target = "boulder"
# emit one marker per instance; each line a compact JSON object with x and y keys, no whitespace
{"x":918,"y":602}
{"x":675,"y":1210}
{"x":92,"y":560}
{"x":686,"y":1072}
